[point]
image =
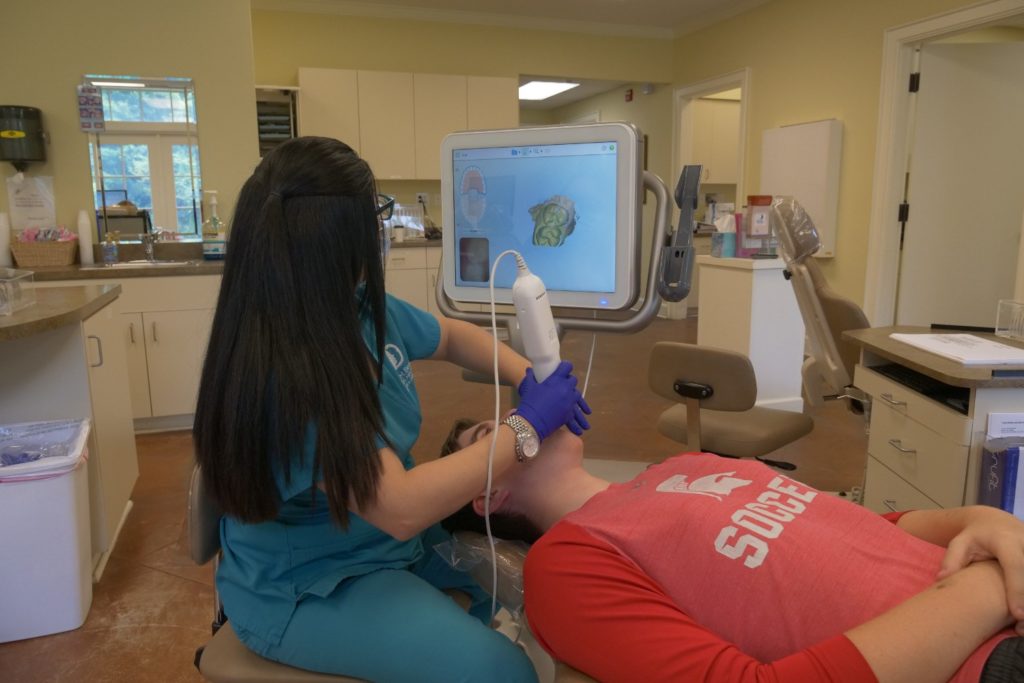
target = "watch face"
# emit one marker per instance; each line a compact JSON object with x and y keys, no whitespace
{"x":531,"y":444}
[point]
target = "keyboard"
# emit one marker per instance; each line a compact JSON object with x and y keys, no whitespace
{"x":957,"y":398}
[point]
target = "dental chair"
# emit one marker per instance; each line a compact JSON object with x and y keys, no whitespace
{"x":828,"y":368}
{"x":716,"y":390}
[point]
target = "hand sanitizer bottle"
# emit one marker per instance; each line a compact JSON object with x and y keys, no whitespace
{"x":109,"y":250}
{"x":214,"y":237}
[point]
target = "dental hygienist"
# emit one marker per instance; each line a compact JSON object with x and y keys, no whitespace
{"x":307,"y":412}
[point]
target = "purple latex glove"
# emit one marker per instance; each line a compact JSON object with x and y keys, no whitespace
{"x":553,"y":403}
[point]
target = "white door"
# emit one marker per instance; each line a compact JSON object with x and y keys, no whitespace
{"x":966,"y":185}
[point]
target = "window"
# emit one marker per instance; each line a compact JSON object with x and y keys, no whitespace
{"x":149,"y":153}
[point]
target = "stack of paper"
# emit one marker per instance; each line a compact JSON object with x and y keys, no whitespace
{"x":966,"y":349}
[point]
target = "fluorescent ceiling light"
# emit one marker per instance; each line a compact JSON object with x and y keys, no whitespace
{"x":119,"y":84}
{"x":541,"y":90}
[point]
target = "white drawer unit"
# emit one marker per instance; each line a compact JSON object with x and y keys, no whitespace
{"x":885,"y":491}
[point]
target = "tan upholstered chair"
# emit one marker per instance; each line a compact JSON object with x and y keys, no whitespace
{"x":224,"y":659}
{"x":716,"y":390}
{"x":828,"y":367}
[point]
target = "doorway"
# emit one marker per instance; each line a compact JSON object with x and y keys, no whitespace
{"x":710,"y":128}
{"x":894,"y":147}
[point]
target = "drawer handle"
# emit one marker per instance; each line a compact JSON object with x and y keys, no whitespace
{"x":891,"y":504}
{"x":898,"y":445}
{"x":891,"y":401}
{"x":154,"y":332}
{"x":131,"y":332}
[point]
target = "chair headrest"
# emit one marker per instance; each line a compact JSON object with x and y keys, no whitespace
{"x":797,"y":234}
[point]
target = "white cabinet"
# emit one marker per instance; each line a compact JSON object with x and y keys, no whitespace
{"x":411,"y":275}
{"x":113,"y":433}
{"x":716,"y":140}
{"x":395,"y":120}
{"x":440,"y":103}
{"x":918,"y":449}
{"x":163,"y":328}
{"x":328,"y":104}
{"x":387,"y":138}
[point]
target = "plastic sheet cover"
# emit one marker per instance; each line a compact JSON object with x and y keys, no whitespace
{"x":797,"y":234}
{"x":471,"y":553}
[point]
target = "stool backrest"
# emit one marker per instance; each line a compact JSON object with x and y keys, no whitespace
{"x":730,"y":374}
{"x":203,"y":520}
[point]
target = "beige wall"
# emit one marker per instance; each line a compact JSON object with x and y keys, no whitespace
{"x":812,"y":60}
{"x":53,"y":43}
{"x":284,"y":41}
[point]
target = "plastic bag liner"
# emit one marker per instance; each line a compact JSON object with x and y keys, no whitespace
{"x":37,"y":450}
{"x":471,"y":553}
{"x":795,"y":229}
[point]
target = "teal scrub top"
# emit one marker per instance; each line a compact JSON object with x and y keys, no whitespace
{"x":267,"y":568}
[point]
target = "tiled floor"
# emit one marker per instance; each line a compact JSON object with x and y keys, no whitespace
{"x":153,"y":606}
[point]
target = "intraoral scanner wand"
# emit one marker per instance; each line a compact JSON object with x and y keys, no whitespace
{"x":536,"y":323}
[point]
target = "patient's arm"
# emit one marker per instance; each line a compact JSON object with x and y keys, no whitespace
{"x":972,"y":534}
{"x":598,"y":612}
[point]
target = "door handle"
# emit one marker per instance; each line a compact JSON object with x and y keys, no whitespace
{"x":99,"y":351}
{"x":891,"y":401}
{"x":154,"y":332}
{"x":131,"y":333}
{"x":898,"y":445}
{"x":891,"y":504}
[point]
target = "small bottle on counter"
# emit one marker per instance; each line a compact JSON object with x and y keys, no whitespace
{"x":214,"y":234}
{"x":109,"y":250}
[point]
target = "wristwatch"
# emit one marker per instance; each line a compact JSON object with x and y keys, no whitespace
{"x":527,"y":441}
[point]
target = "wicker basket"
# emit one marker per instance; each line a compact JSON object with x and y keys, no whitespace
{"x":29,"y":254}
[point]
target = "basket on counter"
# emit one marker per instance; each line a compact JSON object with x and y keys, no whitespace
{"x":49,"y":253}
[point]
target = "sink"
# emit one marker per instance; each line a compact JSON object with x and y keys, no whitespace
{"x":141,"y":263}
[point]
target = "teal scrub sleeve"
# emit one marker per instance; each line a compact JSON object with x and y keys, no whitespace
{"x":420,"y":331}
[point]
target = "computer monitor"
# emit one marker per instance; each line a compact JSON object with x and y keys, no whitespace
{"x":568,"y":198}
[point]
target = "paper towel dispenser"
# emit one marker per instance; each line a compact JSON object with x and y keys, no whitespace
{"x":21,"y":135}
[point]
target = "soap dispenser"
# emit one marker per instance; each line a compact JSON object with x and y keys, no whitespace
{"x":214,"y":237}
{"x":109,"y":250}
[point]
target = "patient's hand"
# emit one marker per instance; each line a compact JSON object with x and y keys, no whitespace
{"x":990,"y":533}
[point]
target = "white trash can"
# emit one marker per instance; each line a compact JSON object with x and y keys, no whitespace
{"x":46,"y":570}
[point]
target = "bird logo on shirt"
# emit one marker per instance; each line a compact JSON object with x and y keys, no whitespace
{"x":713,"y":485}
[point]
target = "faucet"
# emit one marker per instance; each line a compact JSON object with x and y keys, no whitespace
{"x":149,"y":239}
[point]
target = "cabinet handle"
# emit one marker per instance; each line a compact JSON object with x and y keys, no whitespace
{"x":898,"y":445}
{"x":891,"y":504}
{"x":99,"y":351}
{"x":891,"y":401}
{"x":131,"y":333}
{"x":154,"y":331}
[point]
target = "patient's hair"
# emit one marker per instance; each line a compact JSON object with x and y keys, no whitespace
{"x":511,"y":527}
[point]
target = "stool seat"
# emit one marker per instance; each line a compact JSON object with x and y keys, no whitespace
{"x":757,"y":432}
{"x":226,"y":659}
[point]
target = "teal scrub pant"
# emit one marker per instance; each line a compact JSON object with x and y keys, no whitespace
{"x":396,"y":626}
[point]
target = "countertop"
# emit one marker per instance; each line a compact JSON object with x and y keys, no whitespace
{"x":78,"y":272}
{"x":56,"y":307}
{"x":417,"y":242}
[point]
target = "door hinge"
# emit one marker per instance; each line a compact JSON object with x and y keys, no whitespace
{"x":904,"y":212}
{"x":915,"y":81}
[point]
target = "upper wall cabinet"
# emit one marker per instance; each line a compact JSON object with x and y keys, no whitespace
{"x":397,"y":120}
{"x":716,"y":139}
{"x":329,"y":104}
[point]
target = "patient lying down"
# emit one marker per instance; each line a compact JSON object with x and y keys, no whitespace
{"x":711,"y":569}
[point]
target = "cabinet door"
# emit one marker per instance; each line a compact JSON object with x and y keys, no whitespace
{"x":725,"y":134}
{"x":113,"y":430}
{"x":492,"y":102}
{"x":440,"y":103}
{"x":387,"y":134}
{"x":175,"y":347}
{"x":329,"y":104}
{"x":138,"y":372}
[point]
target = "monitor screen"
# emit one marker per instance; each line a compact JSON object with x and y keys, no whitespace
{"x":565,"y":197}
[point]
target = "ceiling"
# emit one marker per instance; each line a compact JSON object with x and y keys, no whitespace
{"x":648,"y":18}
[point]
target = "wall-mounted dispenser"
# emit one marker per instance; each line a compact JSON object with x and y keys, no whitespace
{"x":21,"y":136}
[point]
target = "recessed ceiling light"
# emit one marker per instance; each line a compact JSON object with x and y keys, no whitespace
{"x":541,"y":90}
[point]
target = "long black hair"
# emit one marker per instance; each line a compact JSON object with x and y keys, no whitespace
{"x":286,"y":350}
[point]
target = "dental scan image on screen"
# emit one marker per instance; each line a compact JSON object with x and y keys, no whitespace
{"x":555,"y":204}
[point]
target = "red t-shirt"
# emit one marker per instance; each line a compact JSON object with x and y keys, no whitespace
{"x":751,"y":556}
